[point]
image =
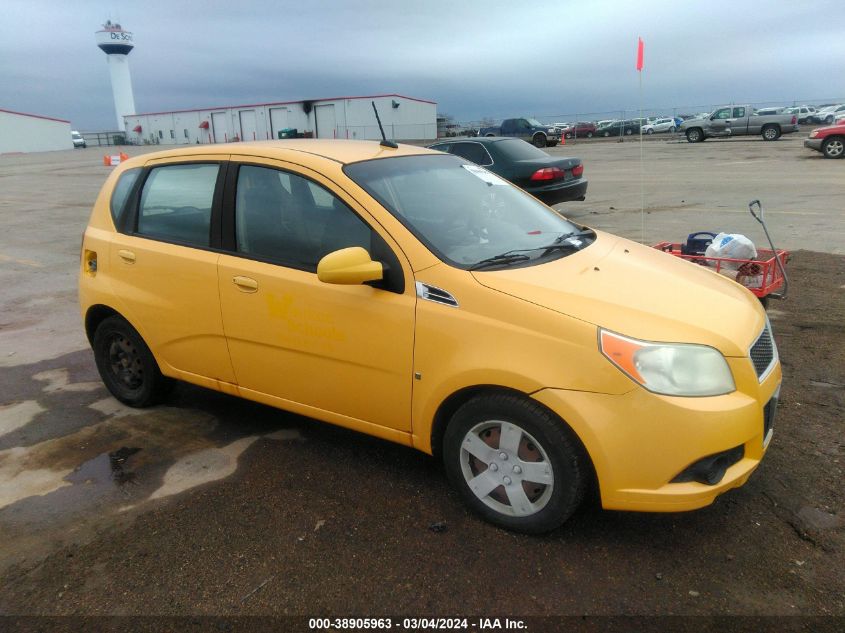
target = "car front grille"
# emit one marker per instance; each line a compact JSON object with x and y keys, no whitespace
{"x":763,"y":353}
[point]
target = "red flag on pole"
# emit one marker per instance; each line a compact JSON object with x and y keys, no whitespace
{"x":640,"y":54}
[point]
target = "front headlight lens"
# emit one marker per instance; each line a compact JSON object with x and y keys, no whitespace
{"x":814,"y":134}
{"x":672,"y":369}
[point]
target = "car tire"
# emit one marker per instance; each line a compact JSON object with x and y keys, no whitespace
{"x":771,"y":132}
{"x":568,"y":135}
{"x":695,"y":135}
{"x":650,"y":131}
{"x":533,"y":435}
{"x":589,"y":135}
{"x":628,"y":132}
{"x":672,"y":130}
{"x":127,"y":365}
{"x":833,"y":147}
{"x":539,"y":141}
{"x":606,"y":134}
{"x":489,"y":135}
{"x":828,"y":120}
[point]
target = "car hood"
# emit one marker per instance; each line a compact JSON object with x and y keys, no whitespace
{"x":829,"y":128}
{"x":639,"y":292}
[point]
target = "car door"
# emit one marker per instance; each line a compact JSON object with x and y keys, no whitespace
{"x":720,"y":121}
{"x":164,"y":266}
{"x":740,"y":123}
{"x":339,"y":353}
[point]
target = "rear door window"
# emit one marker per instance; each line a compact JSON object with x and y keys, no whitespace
{"x":176,"y":203}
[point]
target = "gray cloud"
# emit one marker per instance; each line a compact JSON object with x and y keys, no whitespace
{"x":475,"y":59}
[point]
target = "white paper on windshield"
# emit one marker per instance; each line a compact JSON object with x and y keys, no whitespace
{"x":486,"y":176}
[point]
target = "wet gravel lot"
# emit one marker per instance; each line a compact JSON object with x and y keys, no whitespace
{"x":214,"y":505}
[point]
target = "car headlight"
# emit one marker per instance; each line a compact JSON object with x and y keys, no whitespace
{"x":672,"y":369}
{"x":814,"y":134}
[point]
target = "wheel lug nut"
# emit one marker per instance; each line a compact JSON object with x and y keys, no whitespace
{"x":494,"y":467}
{"x":517,"y":469}
{"x":503,"y":455}
{"x":507,"y":481}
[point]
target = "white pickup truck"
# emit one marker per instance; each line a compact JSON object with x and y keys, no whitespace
{"x":738,"y":120}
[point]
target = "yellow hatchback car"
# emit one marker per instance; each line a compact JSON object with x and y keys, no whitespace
{"x":417,"y":297}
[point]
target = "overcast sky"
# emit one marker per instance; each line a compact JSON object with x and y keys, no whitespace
{"x":476,"y":59}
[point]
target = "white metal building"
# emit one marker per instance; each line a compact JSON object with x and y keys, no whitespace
{"x":403,"y":118}
{"x":21,"y":132}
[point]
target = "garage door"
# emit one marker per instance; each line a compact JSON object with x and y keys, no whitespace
{"x":278,"y":121}
{"x":326,"y":124}
{"x":247,"y":125}
{"x":220,"y":129}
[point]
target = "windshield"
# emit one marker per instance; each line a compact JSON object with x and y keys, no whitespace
{"x":535,"y":123}
{"x":462,"y":212}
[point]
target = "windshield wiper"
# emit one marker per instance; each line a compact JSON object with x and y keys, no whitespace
{"x":511,"y":257}
{"x":518,"y":255}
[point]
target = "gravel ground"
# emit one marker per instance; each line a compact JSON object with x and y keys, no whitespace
{"x":317,"y":520}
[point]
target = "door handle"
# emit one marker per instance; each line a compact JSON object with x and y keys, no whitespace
{"x":246,"y":284}
{"x":127,"y":256}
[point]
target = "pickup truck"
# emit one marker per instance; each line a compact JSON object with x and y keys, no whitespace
{"x":738,"y":121}
{"x":530,"y":130}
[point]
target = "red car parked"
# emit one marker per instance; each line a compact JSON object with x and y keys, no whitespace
{"x":580,"y":129}
{"x":830,"y":140}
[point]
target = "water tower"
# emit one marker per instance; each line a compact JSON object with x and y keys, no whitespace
{"x":117,"y":43}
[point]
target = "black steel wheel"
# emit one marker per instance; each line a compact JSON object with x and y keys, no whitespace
{"x":127,"y":365}
{"x":515,"y":463}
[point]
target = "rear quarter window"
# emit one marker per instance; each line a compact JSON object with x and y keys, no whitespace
{"x":121,"y":194}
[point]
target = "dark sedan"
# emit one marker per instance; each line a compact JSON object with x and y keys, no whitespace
{"x":549,"y":179}
{"x":617,"y":129}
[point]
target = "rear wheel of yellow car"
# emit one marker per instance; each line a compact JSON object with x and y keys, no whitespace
{"x":127,"y":365}
{"x":514,"y":463}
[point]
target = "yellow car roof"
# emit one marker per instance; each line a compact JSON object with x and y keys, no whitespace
{"x":341,"y":151}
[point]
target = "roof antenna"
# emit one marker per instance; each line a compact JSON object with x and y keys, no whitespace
{"x":384,"y":141}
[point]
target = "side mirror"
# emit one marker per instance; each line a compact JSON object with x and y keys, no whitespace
{"x":349,"y":266}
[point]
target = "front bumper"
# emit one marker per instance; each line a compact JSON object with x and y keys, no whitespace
{"x":639,"y":441}
{"x":814,"y":143}
{"x":560,"y":192}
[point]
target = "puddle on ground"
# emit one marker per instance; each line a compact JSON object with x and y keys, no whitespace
{"x":86,"y":466}
{"x":106,"y":469}
{"x":165,"y":434}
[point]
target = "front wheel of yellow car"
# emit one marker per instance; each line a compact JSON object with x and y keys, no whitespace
{"x":127,"y":365}
{"x":514,"y":463}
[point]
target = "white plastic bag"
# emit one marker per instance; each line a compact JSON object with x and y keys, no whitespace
{"x":733,"y":246}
